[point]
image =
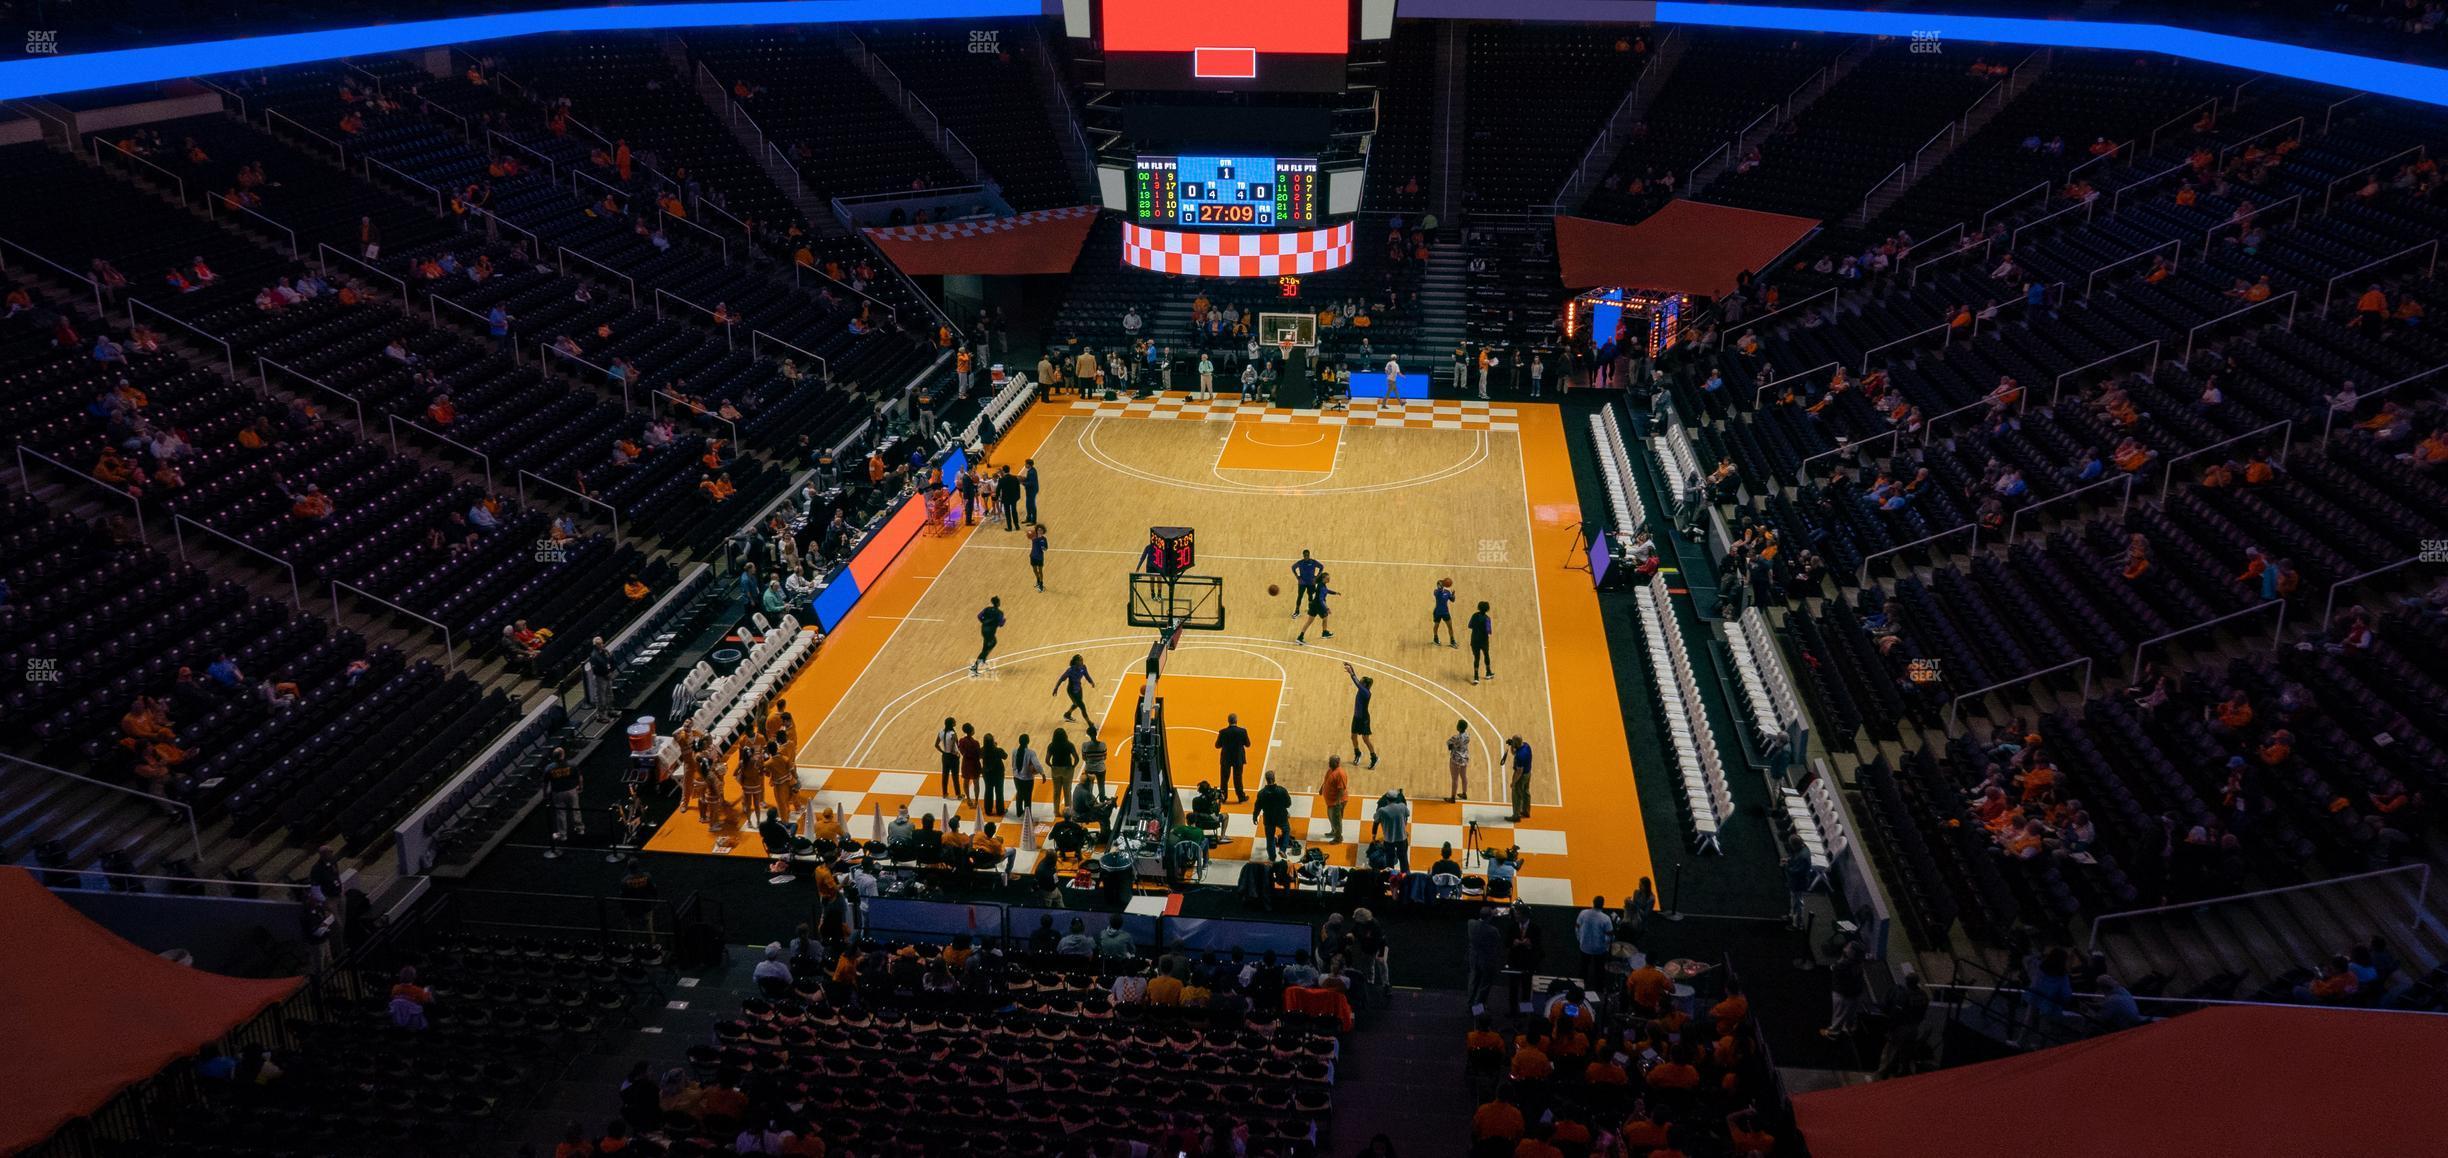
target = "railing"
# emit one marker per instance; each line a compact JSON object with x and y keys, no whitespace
{"x":2328,"y":198}
{"x":325,"y":251}
{"x":2015,"y":240}
{"x":1897,"y":173}
{"x":1956,"y":702}
{"x":1759,"y":397}
{"x":756,"y":338}
{"x":720,"y":241}
{"x":1857,"y":447}
{"x":2042,"y":188}
{"x":694,"y":410}
{"x":26,"y":478}
{"x":179,"y":523}
{"x":2297,"y":124}
{"x":195,"y":840}
{"x":2184,"y":118}
{"x":2235,"y":100}
{"x":2433,"y":267}
{"x":226,"y":202}
{"x":242,"y":103}
{"x":2288,"y":297}
{"x":2331,"y":111}
{"x":1863,"y":579}
{"x":707,"y":205}
{"x":2092,"y":282}
{"x":100,"y":308}
{"x":465,"y":131}
{"x":2252,"y":215}
{"x":263,"y":370}
{"x":1952,"y":233}
{"x":1913,"y":277}
{"x":353,"y":67}
{"x":2422,"y":891}
{"x":581,"y":496}
{"x":229,"y":356}
{"x":1947,"y":134}
{"x":2058,"y":388}
{"x":338,"y":149}
{"x":2286,"y":444}
{"x":1834,"y":301}
{"x":535,"y":244}
{"x":546,"y":352}
{"x":1963,"y":120}
{"x":2331,"y":421}
{"x":2276,"y":633}
{"x":116,"y":147}
{"x":2329,"y":608}
{"x":1817,"y":78}
{"x":2014,"y":522}
{"x":2116,"y":201}
{"x":889,"y":310}
{"x":567,"y":253}
{"x":1581,"y":176}
{"x":396,"y":422}
{"x":441,"y":207}
{"x":433,"y":311}
{"x":727,"y":327}
{"x":775,"y":156}
{"x":450,"y":646}
{"x":2112,"y":152}
{"x":1946,"y":338}
{"x":552,"y":169}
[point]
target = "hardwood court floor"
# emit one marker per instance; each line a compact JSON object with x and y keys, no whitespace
{"x":1390,"y":498}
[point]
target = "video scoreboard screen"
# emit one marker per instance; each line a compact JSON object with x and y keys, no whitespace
{"x":1278,"y":45}
{"x":1226,"y":192}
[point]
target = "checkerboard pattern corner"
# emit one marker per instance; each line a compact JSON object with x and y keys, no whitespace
{"x":1448,"y":414}
{"x":977,"y":226}
{"x":1237,"y":254}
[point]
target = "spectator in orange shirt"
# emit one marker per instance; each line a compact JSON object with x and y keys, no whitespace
{"x":1676,"y":1072}
{"x":1733,"y":1010}
{"x":1648,"y":987}
{"x":1530,"y":1060}
{"x":1497,"y":1118}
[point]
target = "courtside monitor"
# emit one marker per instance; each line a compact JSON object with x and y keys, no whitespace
{"x":1279,"y":45}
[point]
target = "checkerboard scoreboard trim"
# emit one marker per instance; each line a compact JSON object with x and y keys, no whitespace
{"x":1237,"y":254}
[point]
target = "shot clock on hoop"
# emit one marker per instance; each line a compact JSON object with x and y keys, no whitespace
{"x":1171,"y":550}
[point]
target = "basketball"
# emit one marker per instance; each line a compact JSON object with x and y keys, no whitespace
{"x":1446,"y":582}
{"x":1274,"y":589}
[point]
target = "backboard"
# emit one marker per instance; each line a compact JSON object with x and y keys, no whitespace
{"x":1195,"y":601}
{"x":1272,"y":328}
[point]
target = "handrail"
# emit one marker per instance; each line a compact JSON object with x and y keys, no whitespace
{"x":2167,"y":480}
{"x":195,"y":842}
{"x":2092,"y":282}
{"x":2042,"y":188}
{"x":264,"y":366}
{"x":890,"y":311}
{"x":535,"y":244}
{"x":589,"y":130}
{"x":2015,"y":240}
{"x":626,"y":195}
{"x":2211,"y":234}
{"x":2210,"y":104}
{"x":353,"y":66}
{"x":2330,"y":421}
{"x":776,"y":156}
{"x":26,"y":477}
{"x":2433,"y":245}
{"x":524,"y":475}
{"x":2116,"y":201}
{"x":229,"y":202}
{"x":823,"y":368}
{"x":706,"y":204}
{"x":1913,"y":277}
{"x":695,"y":410}
{"x":98,"y":142}
{"x":297,"y":597}
{"x":1863,"y":579}
{"x":2190,"y":906}
{"x":552,"y":168}
{"x":2334,"y":106}
{"x":1955,"y":231}
{"x":2329,"y":608}
{"x":545,"y":352}
{"x":1964,"y":118}
{"x":229,"y":354}
{"x":464,"y":130}
{"x":2058,"y":387}
{"x":2235,"y":100}
{"x":729,"y":342}
{"x":1892,"y":174}
{"x":2298,"y":123}
{"x":1948,"y":132}
{"x":2275,"y":634}
{"x":2330,"y":196}
{"x":1942,"y":328}
{"x":1759,"y":397}
{"x":231,"y":94}
{"x":395,"y":421}
{"x":719,"y":239}
{"x":567,"y":253}
{"x":433,"y":304}
{"x":440,"y":206}
{"x":92,"y":283}
{"x":337,"y":147}
{"x":1955,"y":701}
{"x":1818,"y":77}
{"x":2288,"y":297}
{"x":325,"y":251}
{"x":2014,"y":520}
{"x":1851,"y":447}
{"x":450,"y":648}
{"x":1830,"y":293}
{"x":2113,"y":150}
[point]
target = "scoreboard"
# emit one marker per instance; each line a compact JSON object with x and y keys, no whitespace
{"x":1226,"y":192}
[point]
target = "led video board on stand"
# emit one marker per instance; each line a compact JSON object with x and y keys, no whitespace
{"x":1214,"y":192}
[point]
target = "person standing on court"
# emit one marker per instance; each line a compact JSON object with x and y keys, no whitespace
{"x":1007,"y":496}
{"x":1538,"y":372}
{"x":1393,"y":382}
{"x":1232,"y":745}
{"x":1087,"y":370}
{"x":1461,"y":361}
{"x":1092,"y":761}
{"x":1457,"y":762}
{"x":1517,"y":750}
{"x":1334,"y":791}
{"x":972,"y":763}
{"x":1391,"y":827}
{"x":1487,"y":362}
{"x":561,"y":786}
{"x":1305,"y":574}
{"x":964,"y":367}
{"x":1482,"y":626}
{"x":948,"y":754}
{"x":1062,"y":762}
{"x":1364,"y":689}
{"x":1074,"y":677}
{"x":1028,"y":488}
{"x":1273,"y":811}
{"x":1045,"y":376}
{"x":991,"y":758}
{"x":1319,"y":614}
{"x":1441,"y":615}
{"x":1037,"y":553}
{"x":990,"y":621}
{"x":1206,"y":373}
{"x":1027,"y":766}
{"x":969,"y":495}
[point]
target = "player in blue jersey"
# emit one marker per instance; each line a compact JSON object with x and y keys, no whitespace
{"x":1318,"y":614}
{"x":1442,"y":614}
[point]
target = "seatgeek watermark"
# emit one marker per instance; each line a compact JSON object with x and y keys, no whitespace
{"x":985,"y":42}
{"x":1925,"y":43}
{"x":42,"y":42}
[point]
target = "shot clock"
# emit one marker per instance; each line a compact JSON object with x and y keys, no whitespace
{"x":1225,"y":192}
{"x":1173,"y":549}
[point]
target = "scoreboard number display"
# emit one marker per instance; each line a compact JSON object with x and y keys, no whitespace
{"x":1225,"y":192}
{"x":1173,"y":549}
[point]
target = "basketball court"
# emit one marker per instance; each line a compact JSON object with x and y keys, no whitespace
{"x":1390,"y":495}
